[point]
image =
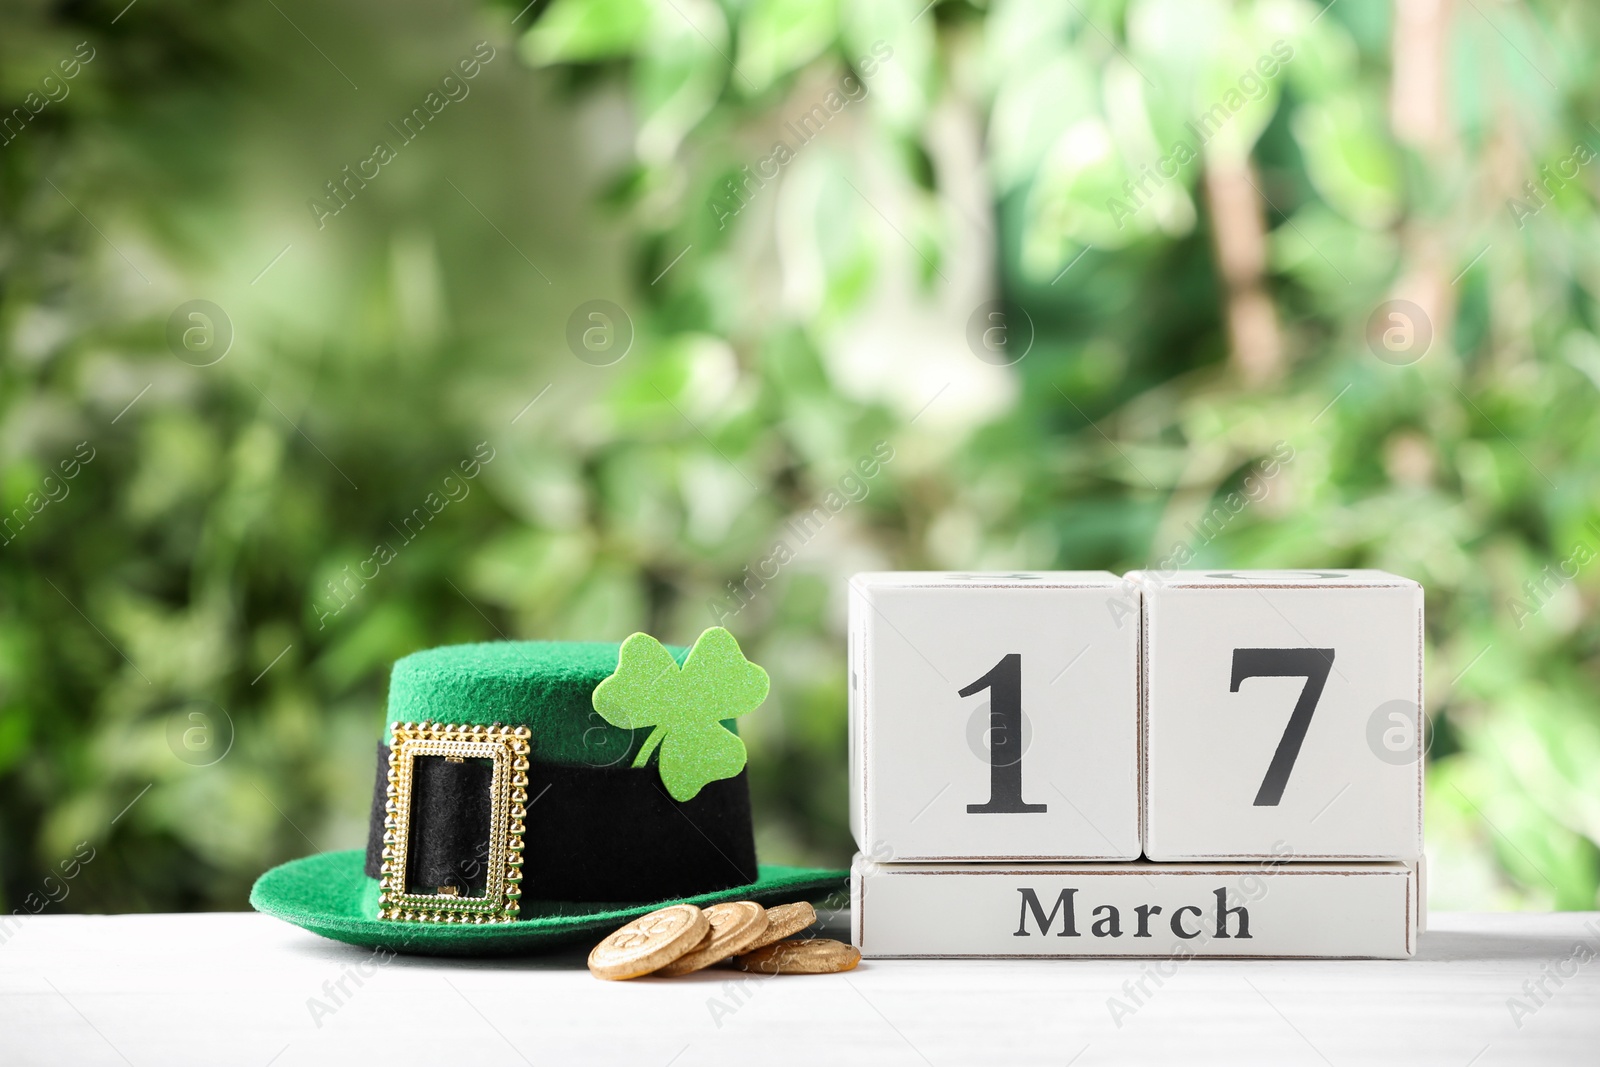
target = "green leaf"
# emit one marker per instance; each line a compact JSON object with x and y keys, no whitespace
{"x":778,"y":36}
{"x":680,"y":73}
{"x":626,"y":699}
{"x":698,"y":753}
{"x":1349,"y":159}
{"x":584,"y":31}
{"x":719,"y":680}
{"x":685,"y":706}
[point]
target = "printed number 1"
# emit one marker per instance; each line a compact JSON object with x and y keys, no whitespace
{"x":1004,"y":682}
{"x":1313,"y":665}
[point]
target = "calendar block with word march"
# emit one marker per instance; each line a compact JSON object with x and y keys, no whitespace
{"x":1183,"y":763}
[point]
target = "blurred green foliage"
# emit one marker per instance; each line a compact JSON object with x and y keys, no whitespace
{"x":196,"y":624}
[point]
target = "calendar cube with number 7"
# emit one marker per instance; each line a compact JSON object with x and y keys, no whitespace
{"x":1281,"y":714}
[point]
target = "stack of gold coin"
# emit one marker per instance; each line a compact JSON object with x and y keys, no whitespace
{"x":682,"y":939}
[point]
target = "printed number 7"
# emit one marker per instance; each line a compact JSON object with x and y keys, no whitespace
{"x":1313,"y":665}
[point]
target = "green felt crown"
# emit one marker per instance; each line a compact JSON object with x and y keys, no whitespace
{"x":547,"y":686}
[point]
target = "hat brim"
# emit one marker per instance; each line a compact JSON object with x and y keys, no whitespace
{"x":330,"y":894}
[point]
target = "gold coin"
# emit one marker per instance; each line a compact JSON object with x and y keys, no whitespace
{"x":735,"y":926}
{"x":785,"y":920}
{"x":649,"y":942}
{"x":817,"y":955}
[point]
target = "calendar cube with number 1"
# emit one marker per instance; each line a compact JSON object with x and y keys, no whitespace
{"x":994,"y":716}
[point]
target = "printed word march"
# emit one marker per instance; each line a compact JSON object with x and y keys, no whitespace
{"x":1108,"y":920}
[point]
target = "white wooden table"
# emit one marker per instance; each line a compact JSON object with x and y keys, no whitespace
{"x":220,"y":989}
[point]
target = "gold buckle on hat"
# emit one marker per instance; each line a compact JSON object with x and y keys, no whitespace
{"x":508,"y":747}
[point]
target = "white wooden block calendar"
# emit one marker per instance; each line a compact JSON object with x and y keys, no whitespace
{"x":994,"y":716}
{"x":1020,"y":739}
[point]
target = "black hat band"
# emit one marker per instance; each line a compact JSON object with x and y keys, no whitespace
{"x":602,"y":834}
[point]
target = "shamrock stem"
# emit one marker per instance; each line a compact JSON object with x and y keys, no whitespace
{"x":650,"y":744}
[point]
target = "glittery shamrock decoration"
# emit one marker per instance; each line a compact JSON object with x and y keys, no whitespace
{"x":685,"y":706}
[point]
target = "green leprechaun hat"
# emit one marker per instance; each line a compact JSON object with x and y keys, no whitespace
{"x":530,"y":794}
